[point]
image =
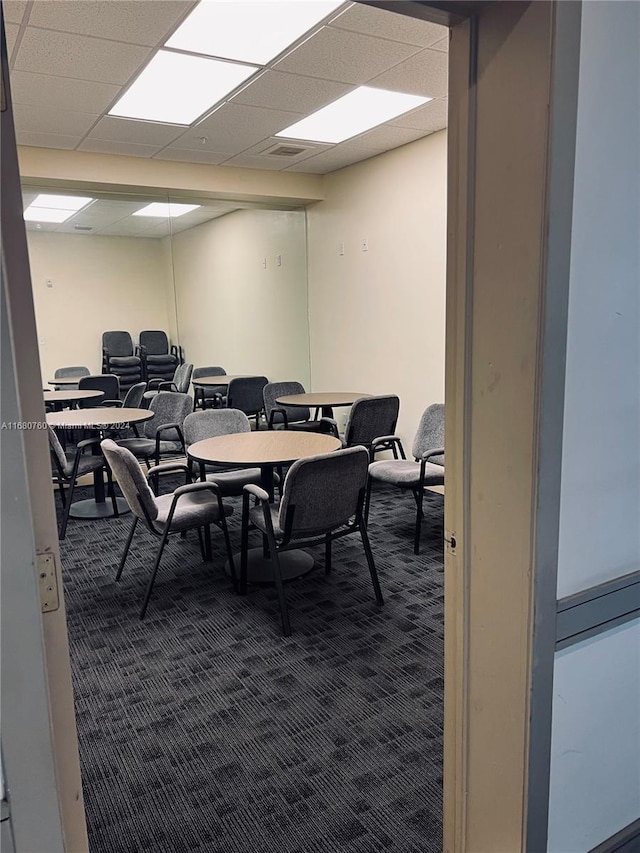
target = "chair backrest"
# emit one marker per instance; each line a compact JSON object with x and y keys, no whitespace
{"x":61,"y":372}
{"x":430,"y":434}
{"x":371,"y":417}
{"x":322,"y":492}
{"x":155,"y":342}
{"x":131,"y":479}
{"x":212,"y":422}
{"x":207,"y":371}
{"x":117,"y":344}
{"x":56,"y":448}
{"x":169,"y":408}
{"x":106,"y":382}
{"x":133,"y":397}
{"x":273,"y":390}
{"x":245,"y":393}
{"x":182,"y":377}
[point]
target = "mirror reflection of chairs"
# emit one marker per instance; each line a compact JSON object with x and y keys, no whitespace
{"x":191,"y":506}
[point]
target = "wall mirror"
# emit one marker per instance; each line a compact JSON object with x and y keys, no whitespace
{"x":226,"y":280}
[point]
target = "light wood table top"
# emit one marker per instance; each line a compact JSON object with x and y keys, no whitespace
{"x":98,"y":418}
{"x":71,"y":395}
{"x":262,"y":447}
{"x":207,"y":381}
{"x":66,"y":380}
{"x":321,"y":398}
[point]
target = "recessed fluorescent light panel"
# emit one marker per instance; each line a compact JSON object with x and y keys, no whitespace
{"x":177,"y":89}
{"x":252,"y":31}
{"x":55,"y":208}
{"x":354,"y":113}
{"x":164,"y":210}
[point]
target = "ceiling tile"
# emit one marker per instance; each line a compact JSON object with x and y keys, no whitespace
{"x":80,"y":57}
{"x":189,"y":155}
{"x":138,"y":132}
{"x":430,"y":117}
{"x":235,"y":127}
{"x":14,"y":10}
{"x":111,"y":146}
{"x":384,"y":137}
{"x":51,"y":120}
{"x":425,"y":73}
{"x":278,"y":91}
{"x":12,"y":31}
{"x":388,"y":25}
{"x":123,"y":20}
{"x":344,"y":56}
{"x":41,"y":90}
{"x":47,"y":140}
{"x":338,"y":157}
{"x":103,"y":212}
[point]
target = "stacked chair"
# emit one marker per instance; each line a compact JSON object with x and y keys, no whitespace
{"x":119,"y":358}
{"x":158,"y":358}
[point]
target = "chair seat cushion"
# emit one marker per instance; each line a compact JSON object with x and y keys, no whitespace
{"x":192,"y":510}
{"x":165,"y":358}
{"x":124,"y":361}
{"x":256,"y":517}
{"x":232,"y":482}
{"x":87,"y":464}
{"x":146,"y":447}
{"x":406,"y":473}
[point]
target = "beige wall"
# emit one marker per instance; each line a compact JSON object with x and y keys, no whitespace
{"x":99,"y":283}
{"x":377,"y":317}
{"x":232,"y":310}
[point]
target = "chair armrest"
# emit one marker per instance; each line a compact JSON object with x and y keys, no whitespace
{"x":196,"y":487}
{"x":154,"y":384}
{"x":112,"y":404}
{"x":167,"y":386}
{"x":168,"y":467}
{"x":282,"y":413}
{"x":331,"y":424}
{"x":164,"y":428}
{"x":257,"y":492}
{"x":428,"y":454}
{"x":87,"y":442}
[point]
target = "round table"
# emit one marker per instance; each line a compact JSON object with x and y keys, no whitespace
{"x":266,"y":449}
{"x":66,"y":380}
{"x":72,"y":395}
{"x":101,"y":418}
{"x":325,"y":400}
{"x":225,"y":379}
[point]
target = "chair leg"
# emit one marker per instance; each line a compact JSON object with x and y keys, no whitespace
{"x":201,"y":541}
{"x":67,"y":510}
{"x":112,"y":493}
{"x":367,"y":499}
{"x":63,"y":497}
{"x":244,"y":548}
{"x":227,"y":542}
{"x":327,"y":554}
{"x":371,"y":564}
{"x":156,"y":566}
{"x":277,"y":578}
{"x":419,"y":499}
{"x":123,"y":559}
{"x":207,"y":543}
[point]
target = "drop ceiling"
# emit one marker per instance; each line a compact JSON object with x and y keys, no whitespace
{"x":71,"y":60}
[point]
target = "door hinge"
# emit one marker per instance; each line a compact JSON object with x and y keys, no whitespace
{"x":47,"y":583}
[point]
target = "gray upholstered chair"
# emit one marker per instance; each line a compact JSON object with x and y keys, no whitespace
{"x":322,"y":500}
{"x":62,"y":372}
{"x":291,"y":417}
{"x":209,"y":424}
{"x":67,"y":466}
{"x":118,"y":357}
{"x":245,"y":393}
{"x":427,"y":469}
{"x":194,"y":505}
{"x":180,"y":382}
{"x":205,"y":396}
{"x":108,"y":383}
{"x":373,"y":419}
{"x":158,"y":358}
{"x":163,"y":432}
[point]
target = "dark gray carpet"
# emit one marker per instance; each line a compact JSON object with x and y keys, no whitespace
{"x":202,"y":728}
